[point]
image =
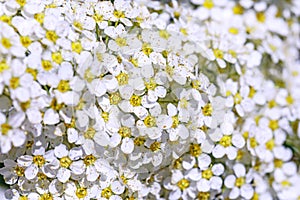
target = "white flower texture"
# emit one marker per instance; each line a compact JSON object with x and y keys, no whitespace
{"x":150,"y":99}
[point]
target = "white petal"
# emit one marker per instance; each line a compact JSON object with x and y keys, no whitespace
{"x":77,"y":167}
{"x":183,"y":132}
{"x":61,"y":151}
{"x":63,"y":175}
{"x":231,"y":152}
{"x":19,"y":138}
{"x":127,"y":145}
{"x":204,"y":161}
{"x":101,"y":138}
{"x":160,"y":91}
{"x":117,"y":187}
{"x":218,"y":169}
{"x":72,"y":135}
{"x":172,"y":110}
{"x":235,"y":192}
{"x":115,"y":140}
{"x":216,"y":182}
{"x":157,"y":159}
{"x":75,"y":153}
{"x":164,"y":122}
{"x":230,"y":181}
{"x":203,"y":185}
{"x":51,"y":117}
{"x":238,"y":141}
{"x":91,"y":173}
{"x":218,"y":151}
{"x":247,"y":191}
{"x":31,"y":172}
{"x":239,"y":170}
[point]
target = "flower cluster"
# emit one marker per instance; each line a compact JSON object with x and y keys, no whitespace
{"x":150,"y":100}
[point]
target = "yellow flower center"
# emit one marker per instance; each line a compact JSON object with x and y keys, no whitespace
{"x":240,"y":181}
{"x":164,"y":34}
{"x":14,"y":82}
{"x":6,"y":19}
{"x":218,"y":53}
{"x":273,"y":124}
{"x":209,"y":4}
{"x":81,"y":192}
{"x":121,"y":41}
{"x":21,"y":2}
{"x":65,"y":162}
{"x":238,"y":9}
{"x":5,"y":128}
{"x":272,"y":104}
{"x":155,"y":146}
{"x":183,"y":31}
{"x":196,"y":84}
{"x":135,"y":100}
{"x":252,"y":92}
{"x":39,"y":160}
{"x":253,"y":142}
{"x":183,"y":184}
{"x":78,"y":25}
{"x":270,"y":144}
{"x":6,"y":42}
{"x":47,"y":65}
{"x":225,"y":141}
{"x":105,"y":116}
{"x":115,"y":98}
{"x":98,"y":18}
{"x":149,"y":121}
{"x":139,"y":141}
{"x":89,"y":133}
{"x":278,"y":163}
{"x":184,"y":103}
{"x":147,"y":49}
{"x":237,"y":98}
{"x":151,"y":85}
{"x":122,"y":78}
{"x":285,"y":183}
{"x":19,"y":171}
{"x":89,"y":160}
{"x":56,"y":106}
{"x":207,"y":174}
{"x":52,"y":36}
{"x":57,"y":57}
{"x":233,"y":30}
{"x":106,"y":193}
{"x":124,"y":131}
{"x":76,"y":47}
{"x":40,"y":18}
{"x":63,"y":86}
{"x":289,"y":99}
{"x":261,"y":17}
{"x":119,"y":14}
{"x":33,"y":72}
{"x":25,"y":40}
{"x":207,"y":110}
{"x":23,"y":198}
{"x":203,"y":196}
{"x":46,"y":196}
{"x":3,"y":66}
{"x":195,"y":150}
{"x":175,"y":121}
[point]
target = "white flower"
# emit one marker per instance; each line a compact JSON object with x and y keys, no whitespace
{"x":10,"y":130}
{"x":239,"y":183}
{"x":66,"y":158}
{"x":10,"y":41}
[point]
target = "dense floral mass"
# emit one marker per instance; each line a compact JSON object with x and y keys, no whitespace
{"x":145,"y":99}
